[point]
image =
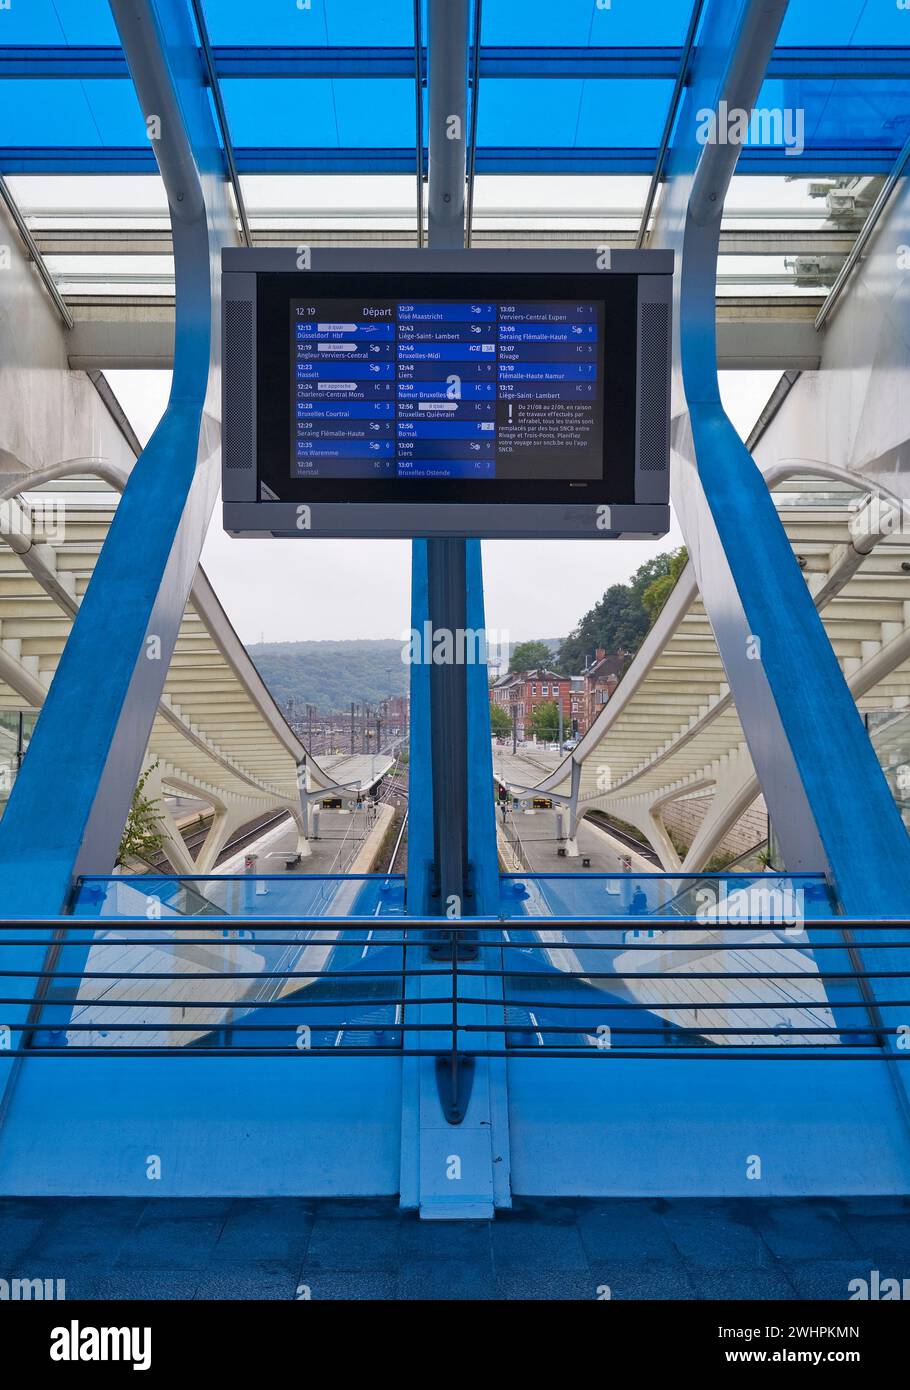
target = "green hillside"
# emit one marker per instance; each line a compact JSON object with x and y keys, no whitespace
{"x":330,"y":675}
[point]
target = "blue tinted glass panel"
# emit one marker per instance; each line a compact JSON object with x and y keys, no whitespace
{"x":843,"y":114}
{"x":236,"y":895}
{"x":58,"y":22}
{"x":346,"y":1008}
{"x":44,"y":111}
{"x":337,"y":23}
{"x":810,"y":24}
{"x":320,"y":112}
{"x":551,"y":1003}
{"x":514,"y":112}
{"x":639,"y":896}
{"x":570,"y":112}
{"x":623,"y":112}
{"x":582,"y":23}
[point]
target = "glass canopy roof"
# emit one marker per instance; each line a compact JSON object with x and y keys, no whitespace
{"x":574,"y":101}
{"x":567,"y":87}
{"x":507,"y":22}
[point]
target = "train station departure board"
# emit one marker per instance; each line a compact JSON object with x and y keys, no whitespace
{"x":469,"y":389}
{"x":388,"y":392}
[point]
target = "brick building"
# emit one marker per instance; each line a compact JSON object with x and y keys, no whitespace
{"x":601,"y":677}
{"x":518,"y":693}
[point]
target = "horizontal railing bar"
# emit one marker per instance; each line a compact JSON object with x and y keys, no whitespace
{"x":804,"y":875}
{"x":667,"y":924}
{"x":354,"y":1025}
{"x":465,"y":968}
{"x":294,"y":1002}
{"x":62,"y":972}
{"x":781,"y":1030}
{"x":455,"y":926}
{"x":370,"y":1025}
{"x":133,"y":879}
{"x":701,"y":1054}
{"x":242,"y":1003}
{"x":403,"y":942}
{"x":704,"y":1004}
{"x":220,"y":943}
{"x":740,"y":876}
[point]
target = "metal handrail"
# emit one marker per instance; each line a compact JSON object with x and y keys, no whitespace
{"x":470,"y":1025}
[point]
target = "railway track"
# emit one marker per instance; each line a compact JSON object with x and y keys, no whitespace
{"x":194,"y":838}
{"x":399,"y":851}
{"x":396,"y":786}
{"x":600,"y":819}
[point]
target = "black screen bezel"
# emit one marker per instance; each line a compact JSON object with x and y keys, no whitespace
{"x":275,"y":292}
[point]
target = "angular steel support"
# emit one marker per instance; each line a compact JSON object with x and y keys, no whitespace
{"x":807,"y":742}
{"x":95,"y":725}
{"x":778,"y":660}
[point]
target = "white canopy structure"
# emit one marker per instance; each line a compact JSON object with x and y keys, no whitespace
{"x":671,"y":729}
{"x":218,"y":735}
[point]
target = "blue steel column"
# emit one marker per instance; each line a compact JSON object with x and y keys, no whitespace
{"x":432,"y":1149}
{"x":827,"y":796}
{"x":70,"y":801}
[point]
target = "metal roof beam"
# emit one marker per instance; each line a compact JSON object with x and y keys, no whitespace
{"x":150,"y":241}
{"x":82,"y":61}
{"x":218,"y":103}
{"x":760,"y":337}
{"x":682,"y":75}
{"x":140,"y":159}
{"x":28,"y":241}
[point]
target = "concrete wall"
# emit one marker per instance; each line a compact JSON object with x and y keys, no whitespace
{"x":48,"y":413}
{"x":684,"y":817}
{"x":853,"y":412}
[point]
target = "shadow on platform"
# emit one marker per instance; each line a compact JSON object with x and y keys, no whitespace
{"x":281,"y":1248}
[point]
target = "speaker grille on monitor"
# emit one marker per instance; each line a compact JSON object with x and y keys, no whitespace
{"x":238,"y":384}
{"x":654,"y":415}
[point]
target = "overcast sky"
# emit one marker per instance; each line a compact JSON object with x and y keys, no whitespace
{"x":295,"y":590}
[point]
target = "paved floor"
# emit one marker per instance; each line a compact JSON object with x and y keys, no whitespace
{"x":341,"y":835}
{"x":537,"y":831}
{"x":278,"y":1248}
{"x":527,"y":767}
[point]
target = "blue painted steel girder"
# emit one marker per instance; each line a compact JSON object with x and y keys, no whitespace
{"x":140,"y":159}
{"x":661,"y":62}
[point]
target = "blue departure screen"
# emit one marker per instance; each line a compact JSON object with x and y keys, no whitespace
{"x":474,"y":389}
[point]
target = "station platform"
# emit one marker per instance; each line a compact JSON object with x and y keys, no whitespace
{"x":525,"y":767}
{"x":536,"y":833}
{"x":343,"y":836}
{"x":290,"y":1248}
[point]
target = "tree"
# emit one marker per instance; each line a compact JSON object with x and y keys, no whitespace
{"x":528,"y":656}
{"x":545,"y":720}
{"x":618,"y":622}
{"x":500,"y":723}
{"x":658,"y":591}
{"x":141,"y":836}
